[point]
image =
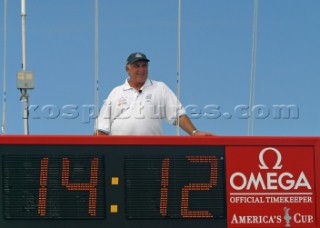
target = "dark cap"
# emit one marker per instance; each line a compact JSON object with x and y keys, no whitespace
{"x":136,"y":56}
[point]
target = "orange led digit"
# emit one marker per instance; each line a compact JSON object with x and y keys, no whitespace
{"x":91,"y":186}
{"x":185,"y":212}
{"x":164,"y":186}
{"x":42,"y":202}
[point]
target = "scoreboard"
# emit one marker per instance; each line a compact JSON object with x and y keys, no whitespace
{"x":131,"y":182}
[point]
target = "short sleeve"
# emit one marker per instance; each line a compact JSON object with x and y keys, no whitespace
{"x":173,"y":107}
{"x":104,"y":118}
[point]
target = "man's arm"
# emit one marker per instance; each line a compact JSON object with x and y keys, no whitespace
{"x":100,"y":133}
{"x":186,"y":124}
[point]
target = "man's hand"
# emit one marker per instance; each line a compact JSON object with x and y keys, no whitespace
{"x":202,"y":133}
{"x":187,"y":126}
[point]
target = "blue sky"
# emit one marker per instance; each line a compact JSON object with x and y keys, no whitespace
{"x":216,"y":47}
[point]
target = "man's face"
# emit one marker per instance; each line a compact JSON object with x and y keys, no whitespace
{"x":138,"y":71}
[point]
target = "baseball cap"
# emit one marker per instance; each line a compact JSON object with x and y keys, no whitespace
{"x":133,"y":57}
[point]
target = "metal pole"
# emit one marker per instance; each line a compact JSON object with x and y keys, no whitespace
{"x":24,"y":93}
{"x":253,"y":69}
{"x":178,"y":66}
{"x":24,"y":99}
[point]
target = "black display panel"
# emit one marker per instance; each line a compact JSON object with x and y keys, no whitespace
{"x":175,"y":187}
{"x":71,"y":186}
{"x":53,"y":187}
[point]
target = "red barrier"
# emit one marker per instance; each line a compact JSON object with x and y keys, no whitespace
{"x":160,"y":181}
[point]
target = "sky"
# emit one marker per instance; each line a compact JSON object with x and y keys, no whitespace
{"x":216,"y":60}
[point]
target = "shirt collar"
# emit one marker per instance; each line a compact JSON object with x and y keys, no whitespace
{"x":127,"y":86}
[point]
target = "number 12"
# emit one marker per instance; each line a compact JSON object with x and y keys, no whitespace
{"x":185,"y":212}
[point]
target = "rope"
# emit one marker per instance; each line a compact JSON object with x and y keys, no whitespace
{"x":3,"y":125}
{"x":178,"y":67}
{"x":253,"y":69}
{"x":96,"y":63}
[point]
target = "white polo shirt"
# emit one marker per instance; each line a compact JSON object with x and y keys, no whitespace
{"x":130,"y":112}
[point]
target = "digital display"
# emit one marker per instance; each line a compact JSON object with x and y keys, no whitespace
{"x":190,"y":187}
{"x":99,"y":185}
{"x":55,"y":187}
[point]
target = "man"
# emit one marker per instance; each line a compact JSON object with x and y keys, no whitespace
{"x":138,"y":106}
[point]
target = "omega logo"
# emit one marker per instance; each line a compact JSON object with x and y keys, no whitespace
{"x":269,"y":180}
{"x":262,"y":162}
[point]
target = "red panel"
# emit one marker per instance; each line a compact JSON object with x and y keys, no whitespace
{"x":270,"y":186}
{"x":317,"y":177}
{"x":298,"y":155}
{"x":155,"y":140}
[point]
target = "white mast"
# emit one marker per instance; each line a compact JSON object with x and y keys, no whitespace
{"x":23,"y":17}
{"x":24,"y":94}
{"x":25,"y":79}
{"x":3,"y":124}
